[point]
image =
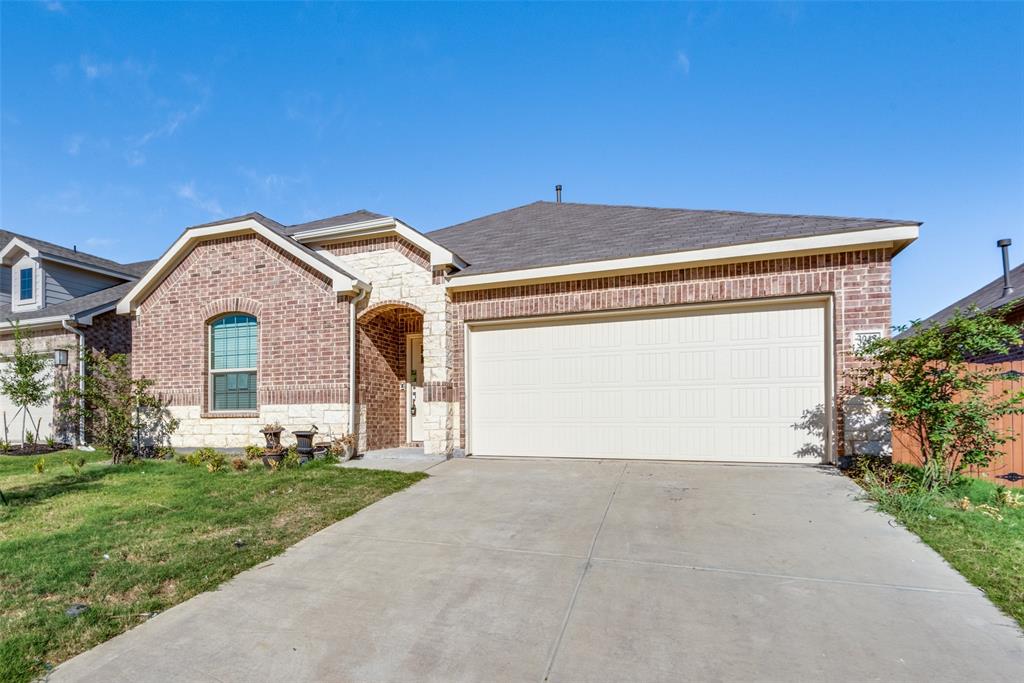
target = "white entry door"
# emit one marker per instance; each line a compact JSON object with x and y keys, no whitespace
{"x":728,"y":384}
{"x":414,"y":386}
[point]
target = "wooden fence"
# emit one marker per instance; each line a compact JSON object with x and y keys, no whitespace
{"x":1007,"y":470}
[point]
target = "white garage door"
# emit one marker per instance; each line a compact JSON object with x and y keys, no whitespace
{"x":727,"y":384}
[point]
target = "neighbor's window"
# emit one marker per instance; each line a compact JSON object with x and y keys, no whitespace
{"x":233,"y":344}
{"x":26,"y":290}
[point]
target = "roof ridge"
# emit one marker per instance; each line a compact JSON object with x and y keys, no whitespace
{"x":726,"y":212}
{"x":35,"y":241}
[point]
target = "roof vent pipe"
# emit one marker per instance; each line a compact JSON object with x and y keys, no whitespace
{"x":1005,"y":246}
{"x":558,"y":194}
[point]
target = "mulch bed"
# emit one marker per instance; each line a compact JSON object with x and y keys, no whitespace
{"x":35,"y":449}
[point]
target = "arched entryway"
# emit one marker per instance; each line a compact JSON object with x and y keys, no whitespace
{"x":390,"y":375}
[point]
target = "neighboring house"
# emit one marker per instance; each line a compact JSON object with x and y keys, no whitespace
{"x":62,"y":299}
{"x":552,"y":329}
{"x":993,"y":296}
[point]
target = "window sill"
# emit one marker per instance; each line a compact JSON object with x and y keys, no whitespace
{"x":213,"y":415}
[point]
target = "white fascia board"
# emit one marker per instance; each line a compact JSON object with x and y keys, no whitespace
{"x":439,"y":256}
{"x":16,"y":243}
{"x":54,"y":320}
{"x":897,"y":236}
{"x":340,"y":281}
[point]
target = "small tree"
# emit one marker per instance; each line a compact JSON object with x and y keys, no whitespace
{"x":126,"y":417}
{"x":931,"y":389}
{"x":23,"y":379}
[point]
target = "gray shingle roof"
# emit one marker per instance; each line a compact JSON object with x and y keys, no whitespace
{"x":49,"y":248}
{"x":548,"y":234}
{"x":82,"y":305}
{"x":986,"y":298}
{"x":281,"y":230}
{"x":343,"y":219}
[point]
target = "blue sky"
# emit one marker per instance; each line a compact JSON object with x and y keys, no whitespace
{"x":122,"y":124}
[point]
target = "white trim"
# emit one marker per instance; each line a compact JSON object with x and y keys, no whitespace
{"x":898,"y":237}
{"x":54,"y":320}
{"x":341,"y":282}
{"x":439,"y":256}
{"x":20,"y":244}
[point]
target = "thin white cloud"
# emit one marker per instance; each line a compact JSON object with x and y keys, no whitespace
{"x":269,"y":183}
{"x":188,"y":192}
{"x":69,"y":200}
{"x":95,"y":242}
{"x":54,"y":6}
{"x":74,"y":145}
{"x":93,"y":68}
{"x":683,"y":62}
{"x":170,"y":126}
{"x":134,"y":157}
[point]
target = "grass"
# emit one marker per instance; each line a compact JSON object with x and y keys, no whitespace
{"x":985,"y":542}
{"x":131,"y":540}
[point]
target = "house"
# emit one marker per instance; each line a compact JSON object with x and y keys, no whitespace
{"x":1005,"y":292}
{"x":64,"y":300}
{"x":551,"y":329}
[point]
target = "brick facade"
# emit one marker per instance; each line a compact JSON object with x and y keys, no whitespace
{"x":858,"y":281}
{"x":303,"y":340}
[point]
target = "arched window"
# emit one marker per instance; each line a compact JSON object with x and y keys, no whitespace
{"x":233,"y":353}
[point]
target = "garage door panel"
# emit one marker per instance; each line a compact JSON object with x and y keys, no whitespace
{"x":723,"y":385}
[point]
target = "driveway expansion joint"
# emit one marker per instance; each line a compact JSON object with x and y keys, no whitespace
{"x":583,"y":574}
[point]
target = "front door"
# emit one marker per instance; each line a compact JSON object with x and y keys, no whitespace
{"x":414,"y":386}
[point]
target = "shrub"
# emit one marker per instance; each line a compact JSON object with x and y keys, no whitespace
{"x":76,"y":464}
{"x":5,"y":446}
{"x":181,"y":458}
{"x":291,"y":459}
{"x":51,"y":442}
{"x":124,"y":413}
{"x":39,"y":466}
{"x":254,"y":452}
{"x":215,"y":462}
{"x":30,"y":437}
{"x":165,"y":453}
{"x":239,"y":464}
{"x":927,"y":384}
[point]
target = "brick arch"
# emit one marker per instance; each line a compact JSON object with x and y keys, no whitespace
{"x":385,"y":306}
{"x":231,"y":304}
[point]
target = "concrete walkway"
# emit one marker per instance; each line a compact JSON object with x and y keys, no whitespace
{"x":533,"y":570}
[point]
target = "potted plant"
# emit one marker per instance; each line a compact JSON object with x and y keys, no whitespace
{"x":321,"y":449}
{"x":272,"y":432}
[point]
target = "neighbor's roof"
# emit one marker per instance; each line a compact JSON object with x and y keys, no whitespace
{"x":986,"y":298}
{"x":51,"y":249}
{"x":549,"y":234}
{"x":87,"y":303}
{"x":79,"y":306}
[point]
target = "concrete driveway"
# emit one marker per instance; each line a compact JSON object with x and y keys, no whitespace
{"x":532,"y":570}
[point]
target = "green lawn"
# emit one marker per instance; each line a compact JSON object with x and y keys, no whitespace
{"x":987,"y":550}
{"x":129,"y":540}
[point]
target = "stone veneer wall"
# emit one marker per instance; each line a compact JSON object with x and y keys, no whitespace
{"x":303,"y":341}
{"x":859,"y":282}
{"x":401,"y":274}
